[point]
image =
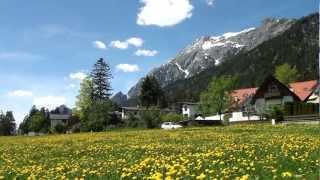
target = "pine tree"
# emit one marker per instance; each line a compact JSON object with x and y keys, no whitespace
{"x":101,"y":75}
{"x":7,"y":124}
{"x":151,"y":92}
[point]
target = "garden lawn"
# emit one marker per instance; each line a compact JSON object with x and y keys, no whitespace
{"x":232,"y":152}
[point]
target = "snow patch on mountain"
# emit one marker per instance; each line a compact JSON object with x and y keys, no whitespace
{"x":186,"y":72}
{"x":232,"y":34}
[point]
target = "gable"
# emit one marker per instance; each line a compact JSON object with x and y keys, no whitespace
{"x":272,"y":88}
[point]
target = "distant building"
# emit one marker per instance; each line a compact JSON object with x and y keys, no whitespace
{"x":272,"y":92}
{"x":189,"y":109}
{"x":241,"y":99}
{"x":61,"y":115}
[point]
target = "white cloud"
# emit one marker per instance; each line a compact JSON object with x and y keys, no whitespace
{"x":135,"y":41}
{"x":77,"y":76}
{"x":164,"y":12}
{"x":99,"y":45}
{"x":128,"y":67}
{"x":146,"y":52}
{"x":20,"y":93}
{"x":119,"y":44}
{"x":49,"y":101}
{"x":210,"y":2}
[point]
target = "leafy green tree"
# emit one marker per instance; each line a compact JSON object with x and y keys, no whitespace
{"x":151,"y":118}
{"x":24,"y":127}
{"x":37,"y":122}
{"x":151,"y":92}
{"x":98,"y":116}
{"x":93,"y":105}
{"x":286,"y":73}
{"x":101,"y":75}
{"x":216,"y":98}
{"x":84,"y":99}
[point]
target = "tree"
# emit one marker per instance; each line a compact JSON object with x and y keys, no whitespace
{"x":7,"y":124}
{"x":286,"y":73}
{"x":37,"y":122}
{"x":84,"y":99}
{"x":216,"y":98}
{"x":151,"y":92}
{"x":98,"y":116}
{"x":93,"y":104}
{"x":101,"y":75}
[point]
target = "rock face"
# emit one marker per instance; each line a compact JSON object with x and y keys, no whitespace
{"x":210,"y":51}
{"x":120,"y":99}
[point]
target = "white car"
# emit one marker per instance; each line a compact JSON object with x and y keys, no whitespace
{"x":170,"y":125}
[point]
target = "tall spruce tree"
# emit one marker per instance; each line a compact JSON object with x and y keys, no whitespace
{"x":101,"y":75}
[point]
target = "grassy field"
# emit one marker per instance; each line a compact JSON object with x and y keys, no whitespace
{"x":233,"y":152}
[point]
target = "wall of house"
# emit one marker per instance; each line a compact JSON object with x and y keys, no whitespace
{"x":189,"y":110}
{"x":238,"y":117}
{"x":56,"y":122}
{"x":262,"y":104}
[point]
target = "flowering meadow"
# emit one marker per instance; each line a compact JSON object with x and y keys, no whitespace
{"x":232,"y":152}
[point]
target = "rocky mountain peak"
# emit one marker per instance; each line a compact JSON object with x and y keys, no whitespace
{"x":208,"y":51}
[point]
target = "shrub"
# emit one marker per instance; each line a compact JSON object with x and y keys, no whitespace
{"x":134,"y":122}
{"x":171,"y":117}
{"x":59,"y":128}
{"x":276,"y":113}
{"x":151,"y":118}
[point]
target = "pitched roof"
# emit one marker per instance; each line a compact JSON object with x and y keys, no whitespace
{"x":303,"y":89}
{"x":283,"y":89}
{"x":242,"y":94}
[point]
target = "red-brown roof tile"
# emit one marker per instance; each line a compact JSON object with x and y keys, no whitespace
{"x":240,"y":95}
{"x":303,"y":89}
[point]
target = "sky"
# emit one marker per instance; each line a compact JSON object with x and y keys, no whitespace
{"x":48,"y":47}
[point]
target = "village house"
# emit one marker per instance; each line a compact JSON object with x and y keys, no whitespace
{"x":189,"y":109}
{"x":61,"y":115}
{"x":271,"y":92}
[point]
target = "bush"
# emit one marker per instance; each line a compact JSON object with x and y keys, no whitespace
{"x":276,"y":113}
{"x":134,"y":122}
{"x":97,"y":117}
{"x":171,"y":117}
{"x":151,"y":118}
{"x":60,"y":128}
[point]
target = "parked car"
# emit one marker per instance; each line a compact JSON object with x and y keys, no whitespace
{"x":170,"y":125}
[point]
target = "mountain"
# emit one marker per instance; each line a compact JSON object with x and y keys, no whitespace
{"x":120,"y":99}
{"x":297,"y":46}
{"x":211,"y":51}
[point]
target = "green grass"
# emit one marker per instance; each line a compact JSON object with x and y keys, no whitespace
{"x":240,"y":151}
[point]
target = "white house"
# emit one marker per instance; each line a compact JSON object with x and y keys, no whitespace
{"x":189,"y":109}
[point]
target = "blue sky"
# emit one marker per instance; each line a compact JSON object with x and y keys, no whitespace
{"x":47,"y":46}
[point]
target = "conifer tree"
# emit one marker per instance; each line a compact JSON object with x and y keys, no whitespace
{"x":151,"y":92}
{"x":101,"y":75}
